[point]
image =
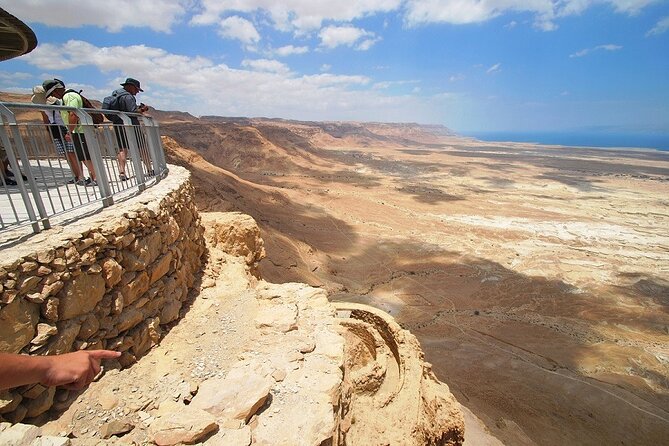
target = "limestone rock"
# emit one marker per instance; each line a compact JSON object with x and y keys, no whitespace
{"x":81,"y":295}
{"x":170,"y":312}
{"x":44,"y":332}
{"x":177,"y":423}
{"x":135,"y":288}
{"x":128,"y":319}
{"x":47,"y":256}
{"x":231,"y":437}
{"x":305,"y":419}
{"x":111,"y":271}
{"x":62,"y":343}
{"x":9,"y":401}
{"x":160,"y":267}
{"x":18,"y":321}
{"x":29,"y":284}
{"x":116,"y":427}
{"x":19,"y":435}
{"x":235,"y":233}
{"x":40,"y":404}
{"x":281,"y":317}
{"x":238,"y":396}
{"x":51,"y":441}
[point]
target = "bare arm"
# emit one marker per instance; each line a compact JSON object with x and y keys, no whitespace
{"x":72,"y":121}
{"x":73,"y":370}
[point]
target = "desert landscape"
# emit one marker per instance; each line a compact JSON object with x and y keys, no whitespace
{"x":536,"y":278}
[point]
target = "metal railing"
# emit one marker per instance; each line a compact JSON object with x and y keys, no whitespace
{"x":36,"y":179}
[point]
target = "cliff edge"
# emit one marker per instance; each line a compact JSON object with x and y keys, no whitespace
{"x":251,"y":362}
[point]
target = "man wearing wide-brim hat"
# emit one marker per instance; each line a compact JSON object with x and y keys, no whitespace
{"x":123,"y":99}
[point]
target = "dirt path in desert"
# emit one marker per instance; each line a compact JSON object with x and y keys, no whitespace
{"x":536,"y":279}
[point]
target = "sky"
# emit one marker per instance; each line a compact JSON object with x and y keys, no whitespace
{"x":471,"y":65}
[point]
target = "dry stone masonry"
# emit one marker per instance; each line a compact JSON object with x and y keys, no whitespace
{"x":111,"y":281}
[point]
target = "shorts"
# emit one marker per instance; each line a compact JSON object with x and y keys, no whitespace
{"x":81,"y":147}
{"x":122,"y":137}
{"x":63,"y":146}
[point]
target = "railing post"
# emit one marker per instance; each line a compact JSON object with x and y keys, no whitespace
{"x":21,"y":148}
{"x":86,"y":122}
{"x":131,"y":137}
{"x":155,"y":145}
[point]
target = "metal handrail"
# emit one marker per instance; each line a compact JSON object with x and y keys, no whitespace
{"x":40,"y":190}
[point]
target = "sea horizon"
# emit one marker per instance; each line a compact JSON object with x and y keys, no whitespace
{"x":590,"y":139}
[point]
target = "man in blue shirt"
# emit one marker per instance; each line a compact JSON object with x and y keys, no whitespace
{"x":125,"y":101}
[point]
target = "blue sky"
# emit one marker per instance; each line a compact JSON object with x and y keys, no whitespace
{"x":472,"y":65}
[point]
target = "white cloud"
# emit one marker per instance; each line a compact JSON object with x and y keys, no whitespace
{"x":387,"y":84}
{"x":367,"y":44}
{"x":290,"y":49}
{"x":456,"y":77}
{"x":334,"y":36}
{"x":257,"y":88}
{"x":159,"y":15}
{"x":272,"y":66}
{"x":301,"y":16}
{"x":11,"y":78}
{"x":586,"y":51}
{"x":545,"y":12}
{"x":326,"y":67}
{"x":660,"y":28}
{"x":494,"y":69}
{"x":239,"y":28}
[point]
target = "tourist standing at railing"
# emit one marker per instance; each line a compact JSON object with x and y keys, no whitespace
{"x":75,"y":132}
{"x":58,"y":130}
{"x":123,"y":99}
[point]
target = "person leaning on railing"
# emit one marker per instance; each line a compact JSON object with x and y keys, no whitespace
{"x":123,"y":99}
{"x":58,"y":130}
{"x":75,"y":134}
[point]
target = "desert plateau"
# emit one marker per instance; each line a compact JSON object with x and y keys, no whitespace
{"x":536,"y":278}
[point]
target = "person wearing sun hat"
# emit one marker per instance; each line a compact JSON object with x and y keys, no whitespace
{"x":58,"y":130}
{"x":123,"y":99}
{"x":75,"y":132}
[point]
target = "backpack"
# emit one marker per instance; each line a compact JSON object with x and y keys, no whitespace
{"x":111,"y":103}
{"x":97,"y":117}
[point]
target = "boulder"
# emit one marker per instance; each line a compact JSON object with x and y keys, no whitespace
{"x":18,"y":322}
{"x":177,"y":423}
{"x":19,"y":435}
{"x":237,"y":396}
{"x":81,"y":295}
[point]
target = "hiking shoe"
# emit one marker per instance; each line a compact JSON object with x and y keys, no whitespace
{"x":81,"y":182}
{"x":72,"y":181}
{"x":11,"y":174}
{"x":90,"y":182}
{"x":10,"y":182}
{"x":122,"y":177}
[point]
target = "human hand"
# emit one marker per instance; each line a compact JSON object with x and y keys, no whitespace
{"x":75,"y":370}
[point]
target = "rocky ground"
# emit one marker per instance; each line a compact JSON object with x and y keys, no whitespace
{"x":536,"y":278}
{"x":250,"y":362}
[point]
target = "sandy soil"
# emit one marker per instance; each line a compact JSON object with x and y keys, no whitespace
{"x":535,"y":278}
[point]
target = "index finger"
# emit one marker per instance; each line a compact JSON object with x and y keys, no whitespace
{"x":103,"y":354}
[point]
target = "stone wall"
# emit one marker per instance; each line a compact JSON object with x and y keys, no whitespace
{"x":112,"y":281}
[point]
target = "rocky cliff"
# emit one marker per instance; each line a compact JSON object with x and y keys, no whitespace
{"x":239,"y":361}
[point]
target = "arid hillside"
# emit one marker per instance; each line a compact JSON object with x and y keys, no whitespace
{"x":536,"y":278}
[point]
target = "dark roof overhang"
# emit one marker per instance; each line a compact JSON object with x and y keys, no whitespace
{"x":16,"y":38}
